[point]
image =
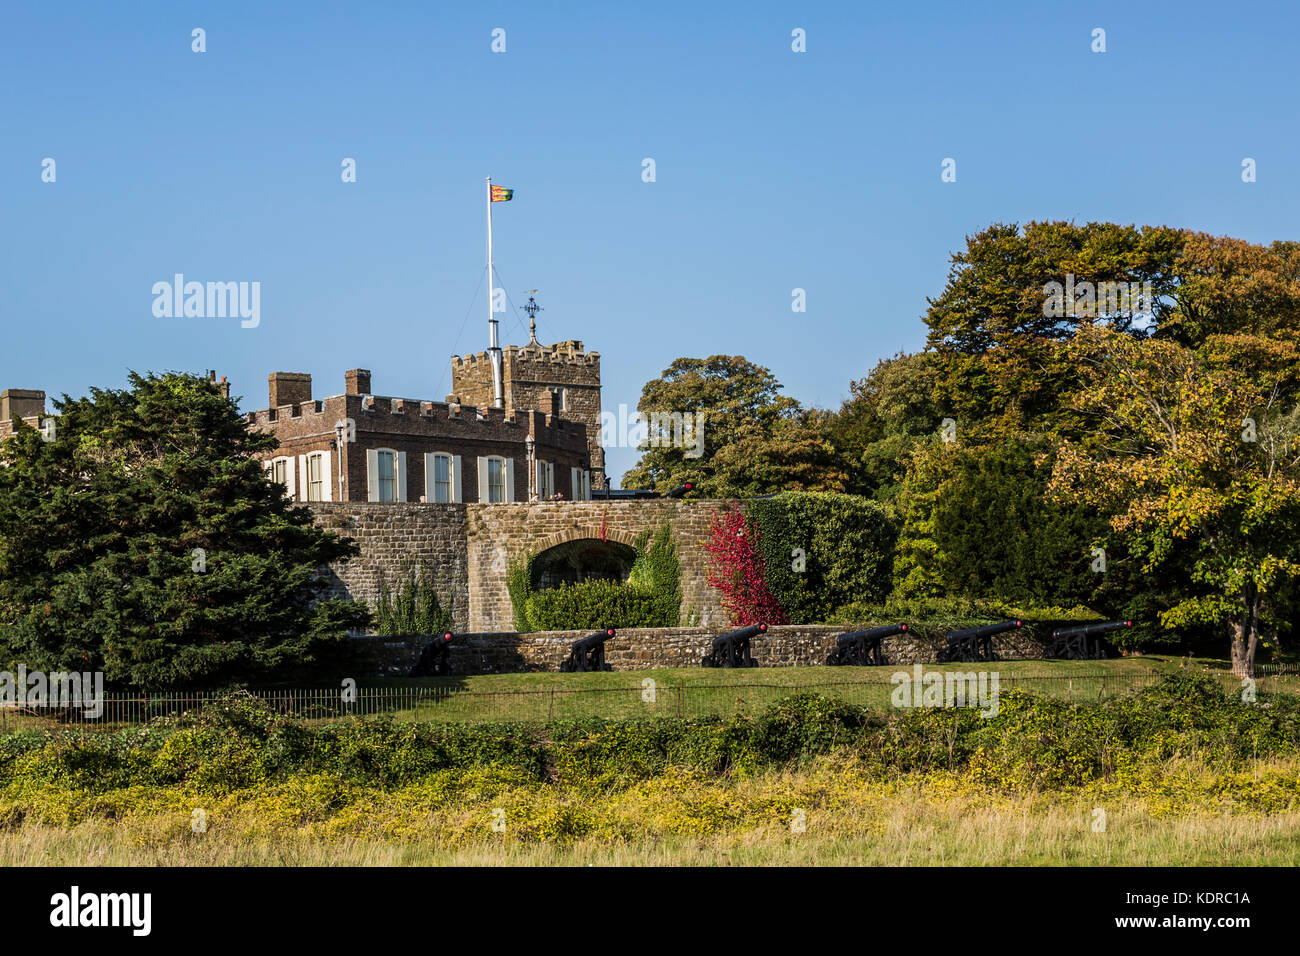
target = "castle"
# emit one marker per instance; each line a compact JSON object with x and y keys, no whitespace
{"x":543,"y":444}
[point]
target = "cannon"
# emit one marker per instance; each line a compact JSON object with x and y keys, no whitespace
{"x":862,"y":648}
{"x":1083,"y":642}
{"x":732,"y":649}
{"x":434,"y":660}
{"x":588,"y":654}
{"x":975,"y":643}
{"x":680,"y":491}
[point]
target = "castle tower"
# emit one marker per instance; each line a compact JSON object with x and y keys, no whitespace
{"x":529,"y":373}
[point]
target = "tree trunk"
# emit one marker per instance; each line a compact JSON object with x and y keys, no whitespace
{"x":1245,"y":637}
{"x":1243,"y":652}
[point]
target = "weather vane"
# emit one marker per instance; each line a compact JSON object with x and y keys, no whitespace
{"x":532,"y":308}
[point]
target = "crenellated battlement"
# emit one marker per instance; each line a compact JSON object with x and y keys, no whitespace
{"x":560,"y":353}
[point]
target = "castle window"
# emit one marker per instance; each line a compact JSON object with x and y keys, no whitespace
{"x":496,"y":479}
{"x":315,"y":478}
{"x":441,"y":478}
{"x":284,"y":471}
{"x":561,"y":400}
{"x":385,"y":475}
{"x":545,"y":479}
{"x":580,"y":482}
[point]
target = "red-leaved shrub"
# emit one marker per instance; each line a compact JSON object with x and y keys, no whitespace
{"x":737,"y":569}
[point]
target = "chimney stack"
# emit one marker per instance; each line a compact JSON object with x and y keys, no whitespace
{"x":223,"y":386}
{"x":21,"y":403}
{"x":288,"y":388}
{"x":358,"y":381}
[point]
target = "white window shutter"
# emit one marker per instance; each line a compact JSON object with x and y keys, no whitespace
{"x":455,"y":478}
{"x":401,"y":476}
{"x":291,"y":476}
{"x":430,"y":493}
{"x":574,"y":483}
{"x":372,"y":474}
{"x":510,"y":479}
{"x":304,"y":491}
{"x":550,"y":476}
{"x":539,"y":476}
{"x":483,"y":480}
{"x":326,"y":478}
{"x":268,"y":466}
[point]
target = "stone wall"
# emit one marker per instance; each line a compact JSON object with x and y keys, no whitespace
{"x":471,"y":547}
{"x":501,"y":534}
{"x":394,"y":537}
{"x":651,"y":648}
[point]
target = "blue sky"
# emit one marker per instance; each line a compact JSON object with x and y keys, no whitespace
{"x":775,"y":170}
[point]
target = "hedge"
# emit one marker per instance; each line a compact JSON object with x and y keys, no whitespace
{"x":847,"y":546}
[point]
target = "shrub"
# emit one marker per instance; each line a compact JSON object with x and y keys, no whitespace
{"x":847,"y":547}
{"x":933,"y":617}
{"x":594,"y":604}
{"x":739,"y":570}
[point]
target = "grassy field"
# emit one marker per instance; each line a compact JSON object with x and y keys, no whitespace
{"x":684,"y":692}
{"x":1155,"y":772}
{"x":847,"y":821}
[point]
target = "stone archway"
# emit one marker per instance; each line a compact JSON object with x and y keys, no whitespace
{"x":582,"y":559}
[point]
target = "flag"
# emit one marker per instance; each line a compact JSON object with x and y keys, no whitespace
{"x":501,"y":194}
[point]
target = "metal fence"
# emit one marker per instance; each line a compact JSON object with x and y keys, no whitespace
{"x":451,"y":701}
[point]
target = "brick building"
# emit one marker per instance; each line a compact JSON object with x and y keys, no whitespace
{"x":359,"y":446}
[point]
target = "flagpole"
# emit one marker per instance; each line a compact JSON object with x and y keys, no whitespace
{"x":494,"y":346}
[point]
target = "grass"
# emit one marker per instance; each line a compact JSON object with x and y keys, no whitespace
{"x":694,"y":692}
{"x":848,"y":821}
{"x":1183,"y":775}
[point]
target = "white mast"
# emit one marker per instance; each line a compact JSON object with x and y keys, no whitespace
{"x":494,"y":346}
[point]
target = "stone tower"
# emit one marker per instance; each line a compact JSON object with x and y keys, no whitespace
{"x":528,"y":374}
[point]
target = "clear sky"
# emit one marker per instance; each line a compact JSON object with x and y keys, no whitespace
{"x":774,"y":170}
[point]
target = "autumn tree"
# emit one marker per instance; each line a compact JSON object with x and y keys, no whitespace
{"x":1199,"y":450}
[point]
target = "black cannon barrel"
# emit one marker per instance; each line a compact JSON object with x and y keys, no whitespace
{"x":433,"y":661}
{"x":988,"y":630}
{"x":741,"y":634}
{"x":599,"y":637}
{"x":681,"y":490}
{"x":872,"y":634}
{"x":1088,"y":630}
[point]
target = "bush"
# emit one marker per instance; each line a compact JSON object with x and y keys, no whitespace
{"x":594,"y":604}
{"x":738,"y":569}
{"x":934,"y":617}
{"x":847,"y":544}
